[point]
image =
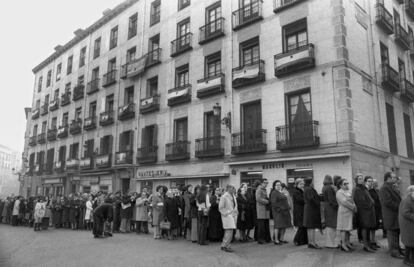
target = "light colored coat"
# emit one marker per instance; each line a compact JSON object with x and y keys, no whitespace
{"x":89,"y":210}
{"x":228,"y":210}
{"x":16,"y":207}
{"x":262,"y":201}
{"x":141,"y":210}
{"x":346,"y":208}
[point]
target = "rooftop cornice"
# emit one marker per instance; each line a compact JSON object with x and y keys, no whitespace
{"x":83,"y":34}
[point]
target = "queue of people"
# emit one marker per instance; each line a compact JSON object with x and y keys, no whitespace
{"x":203,"y":214}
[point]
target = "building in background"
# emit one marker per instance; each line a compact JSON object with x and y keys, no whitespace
{"x":191,"y":92}
{"x":10,"y":164}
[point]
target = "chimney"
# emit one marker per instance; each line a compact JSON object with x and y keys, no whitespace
{"x":78,"y":32}
{"x":57,"y":48}
{"x":106,"y":11}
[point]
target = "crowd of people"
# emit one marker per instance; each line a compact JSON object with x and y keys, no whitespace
{"x":204,"y":214}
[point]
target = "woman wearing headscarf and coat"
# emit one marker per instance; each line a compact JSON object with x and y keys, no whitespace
{"x":301,"y":236}
{"x":330,"y":211}
{"x":312,"y":212}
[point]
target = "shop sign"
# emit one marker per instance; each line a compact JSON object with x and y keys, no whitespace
{"x":157,"y":173}
{"x":305,"y":164}
{"x":94,"y":180}
{"x":53,"y":181}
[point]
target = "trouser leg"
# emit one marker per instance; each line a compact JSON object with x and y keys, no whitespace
{"x":228,"y":236}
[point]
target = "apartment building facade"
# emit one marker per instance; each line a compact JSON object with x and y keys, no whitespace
{"x":193,"y":92}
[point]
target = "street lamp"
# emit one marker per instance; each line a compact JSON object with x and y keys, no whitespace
{"x":225,"y":120}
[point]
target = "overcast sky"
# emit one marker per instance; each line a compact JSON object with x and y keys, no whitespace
{"x":29,"y":31}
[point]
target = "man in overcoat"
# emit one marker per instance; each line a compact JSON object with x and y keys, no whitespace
{"x":228,"y":210}
{"x":263,"y":213}
{"x":390,"y":201}
{"x":103,"y":213}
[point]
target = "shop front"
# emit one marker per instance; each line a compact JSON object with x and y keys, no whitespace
{"x":177,"y":175}
{"x":52,"y":186}
{"x":95,"y":182}
{"x":288,"y":170}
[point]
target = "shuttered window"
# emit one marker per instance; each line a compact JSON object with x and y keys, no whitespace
{"x":392,"y":137}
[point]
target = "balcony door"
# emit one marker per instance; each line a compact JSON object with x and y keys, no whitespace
{"x":250,"y":10}
{"x":149,"y":136}
{"x":251,"y":123}
{"x":384,"y":54}
{"x":74,"y":151}
{"x":53,"y":123}
{"x":249,"y":52}
{"x":44,"y":126}
{"x":183,"y":28}
{"x":300,"y":128}
{"x":92,"y":109}
{"x":182,"y":76}
{"x":106,"y":145}
{"x":180,"y":130}
{"x":62,"y":155}
{"x":211,"y":131}
{"x":50,"y":158}
{"x":295,"y":35}
{"x":129,"y":95}
{"x":88,"y":148}
{"x":126,"y":141}
{"x":401,"y":70}
{"x":213,"y":14}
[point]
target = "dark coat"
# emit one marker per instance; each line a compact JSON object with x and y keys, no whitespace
{"x":66,"y":211}
{"x":186,"y":199}
{"x":390,"y":202}
{"x":104,"y":211}
{"x":193,"y":207}
{"x":298,"y":207}
{"x":406,"y":220}
{"x":365,"y":208}
{"x":245,"y":219}
{"x":126,"y":212}
{"x":312,"y":209}
{"x":377,"y":205}
{"x":280,"y":210}
{"x":331,"y":206}
{"x":215,"y":225}
{"x":171,"y":212}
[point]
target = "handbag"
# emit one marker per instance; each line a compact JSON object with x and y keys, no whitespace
{"x":165,"y":225}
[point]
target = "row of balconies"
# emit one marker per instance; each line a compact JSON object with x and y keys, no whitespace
{"x":393,"y":81}
{"x":287,"y":137}
{"x":285,"y":63}
{"x":385,"y":21}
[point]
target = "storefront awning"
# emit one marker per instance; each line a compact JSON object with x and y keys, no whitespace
{"x":217,"y":175}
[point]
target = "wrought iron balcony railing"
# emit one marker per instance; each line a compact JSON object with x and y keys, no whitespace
{"x":109,"y":78}
{"x":247,"y":74}
{"x":93,"y":86}
{"x":106,"y":118}
{"x":181,"y":44}
{"x":390,"y":78}
{"x":75,"y":127}
{"x":247,"y":14}
{"x":147,"y":154}
{"x":54,"y":105}
{"x":124,"y":157}
{"x":209,"y":147}
{"x":177,"y":151}
{"x":52,"y":134}
{"x":383,"y":18}
{"x":150,"y":104}
{"x":89,"y":123}
{"x":297,"y":135}
{"x":78,"y":92}
{"x":249,"y":142}
{"x":126,"y":112}
{"x":294,"y":60}
{"x":279,"y":5}
{"x":211,"y":31}
{"x":41,"y":138}
{"x":65,"y":99}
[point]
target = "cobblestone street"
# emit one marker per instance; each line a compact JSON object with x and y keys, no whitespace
{"x":21,"y":246}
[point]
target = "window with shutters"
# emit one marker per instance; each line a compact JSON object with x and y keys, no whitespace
{"x":392,"y":136}
{"x":97,"y":48}
{"x":113,"y":38}
{"x":155,"y":12}
{"x":180,"y":129}
{"x":152,"y":86}
{"x":49,"y":78}
{"x":92,"y":109}
{"x":126,"y":141}
{"x":149,"y":136}
{"x":74,"y":151}
{"x":39,"y":84}
{"x":129,"y":95}
{"x":109,"y":105}
{"x":384,"y":54}
{"x":58,"y":71}
{"x":408,"y":136}
{"x":88,"y":148}
{"x":132,"y":25}
{"x":131,"y":54}
{"x":69,"y":65}
{"x":82,"y":57}
{"x":106,"y":145}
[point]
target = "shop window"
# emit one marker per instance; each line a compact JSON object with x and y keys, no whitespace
{"x":86,"y":189}
{"x":293,"y":174}
{"x":104,"y":188}
{"x":213,"y":182}
{"x":251,"y":177}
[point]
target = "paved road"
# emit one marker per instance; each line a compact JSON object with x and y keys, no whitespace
{"x":21,"y":246}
